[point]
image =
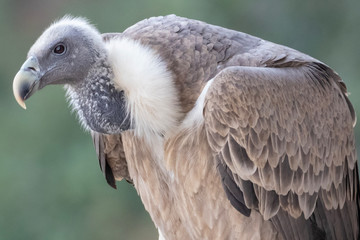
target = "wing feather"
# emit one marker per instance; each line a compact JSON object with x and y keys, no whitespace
{"x":104,"y":166}
{"x":110,"y":152}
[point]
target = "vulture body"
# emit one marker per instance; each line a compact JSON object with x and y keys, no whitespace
{"x":224,"y":135}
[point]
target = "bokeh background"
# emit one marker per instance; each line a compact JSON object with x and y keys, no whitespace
{"x":50,"y":183}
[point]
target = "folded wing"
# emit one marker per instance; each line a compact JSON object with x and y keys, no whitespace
{"x":284,"y":142}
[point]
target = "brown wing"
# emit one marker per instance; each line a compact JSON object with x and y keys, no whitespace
{"x":104,"y":165}
{"x":110,"y":152}
{"x":284,"y":142}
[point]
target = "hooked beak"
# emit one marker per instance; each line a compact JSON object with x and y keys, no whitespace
{"x":26,"y":81}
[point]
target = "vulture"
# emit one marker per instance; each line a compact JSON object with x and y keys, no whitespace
{"x":224,"y":135}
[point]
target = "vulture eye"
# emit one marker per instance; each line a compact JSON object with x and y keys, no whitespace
{"x":59,"y":49}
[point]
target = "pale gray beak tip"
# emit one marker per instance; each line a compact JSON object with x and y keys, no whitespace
{"x":26,"y":81}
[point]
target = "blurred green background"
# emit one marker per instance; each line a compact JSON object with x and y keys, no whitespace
{"x":50,"y":183}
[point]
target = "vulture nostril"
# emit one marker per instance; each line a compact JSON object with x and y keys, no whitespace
{"x":32,"y":69}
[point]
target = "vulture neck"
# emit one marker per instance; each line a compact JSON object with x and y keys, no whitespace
{"x":100,"y":107}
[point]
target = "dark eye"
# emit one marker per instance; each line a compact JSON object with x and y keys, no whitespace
{"x":59,"y":49}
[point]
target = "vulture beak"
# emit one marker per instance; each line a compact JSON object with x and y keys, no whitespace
{"x":26,"y":81}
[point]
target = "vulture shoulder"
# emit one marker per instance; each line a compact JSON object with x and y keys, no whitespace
{"x":284,"y":145}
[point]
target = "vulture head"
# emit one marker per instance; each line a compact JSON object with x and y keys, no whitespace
{"x":67,"y":53}
{"x":63,"y":54}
